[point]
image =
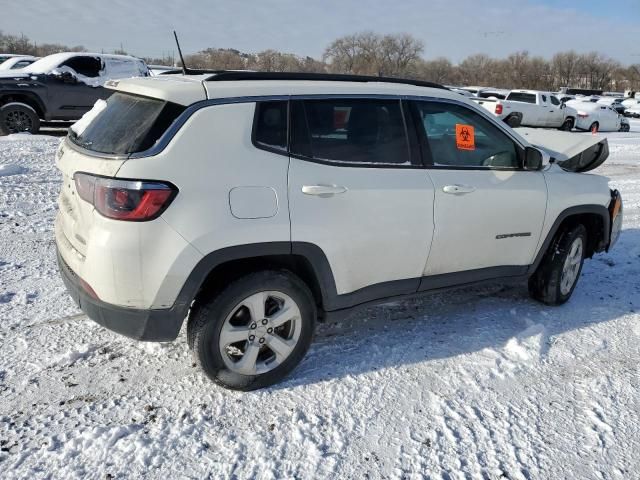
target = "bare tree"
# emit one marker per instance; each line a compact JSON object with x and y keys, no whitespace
{"x":373,"y":54}
{"x":440,"y":70}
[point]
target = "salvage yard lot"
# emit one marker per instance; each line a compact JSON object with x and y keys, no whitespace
{"x":482,"y":383}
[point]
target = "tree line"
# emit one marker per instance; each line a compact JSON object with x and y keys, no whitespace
{"x":400,"y":55}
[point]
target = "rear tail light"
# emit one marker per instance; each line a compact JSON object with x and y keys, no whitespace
{"x":583,"y":115}
{"x":131,"y":200}
{"x":499,"y":109}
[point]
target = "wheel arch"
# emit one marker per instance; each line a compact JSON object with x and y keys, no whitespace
{"x":219,"y":268}
{"x":596,"y":220}
{"x":27,"y":98}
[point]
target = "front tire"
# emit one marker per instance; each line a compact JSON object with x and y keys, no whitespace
{"x":255,"y":331}
{"x":18,"y":117}
{"x":558,"y":273}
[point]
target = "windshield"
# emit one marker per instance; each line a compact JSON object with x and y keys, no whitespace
{"x":124,"y":124}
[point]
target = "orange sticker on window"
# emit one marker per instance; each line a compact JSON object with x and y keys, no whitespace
{"x":465,"y":137}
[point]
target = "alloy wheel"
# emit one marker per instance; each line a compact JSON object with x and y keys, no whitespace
{"x":17,"y":121}
{"x":260,"y":333}
{"x":571,"y":266}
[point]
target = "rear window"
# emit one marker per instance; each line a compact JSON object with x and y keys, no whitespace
{"x":126,"y":124}
{"x":522,"y":97}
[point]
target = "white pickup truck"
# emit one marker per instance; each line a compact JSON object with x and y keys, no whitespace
{"x":538,"y":109}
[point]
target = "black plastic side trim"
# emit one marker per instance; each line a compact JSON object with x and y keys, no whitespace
{"x":209,"y":262}
{"x":445,"y":280}
{"x":577,"y":210}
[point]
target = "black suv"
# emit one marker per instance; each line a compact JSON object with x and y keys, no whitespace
{"x":62,"y":86}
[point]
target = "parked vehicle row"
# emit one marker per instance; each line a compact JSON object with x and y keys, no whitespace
{"x":16,"y":62}
{"x":63,"y":86}
{"x":594,"y":116}
{"x":538,"y":109}
{"x":254,"y":204}
{"x":545,"y":109}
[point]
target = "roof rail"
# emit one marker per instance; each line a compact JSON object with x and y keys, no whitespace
{"x":192,"y":71}
{"x":231,"y":75}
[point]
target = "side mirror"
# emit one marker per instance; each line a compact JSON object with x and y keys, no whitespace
{"x":533,"y":159}
{"x":66,"y":77}
{"x":562,"y":105}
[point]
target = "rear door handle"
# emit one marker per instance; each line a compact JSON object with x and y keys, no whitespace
{"x":458,"y":189}
{"x":323,"y":190}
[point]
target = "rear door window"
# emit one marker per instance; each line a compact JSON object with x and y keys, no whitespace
{"x":554,"y":100}
{"x":456,"y":136}
{"x":271,"y":125}
{"x":351,"y":131}
{"x":522,"y":97}
{"x":126,"y":124}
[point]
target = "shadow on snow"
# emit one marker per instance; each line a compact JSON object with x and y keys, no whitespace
{"x":444,"y":325}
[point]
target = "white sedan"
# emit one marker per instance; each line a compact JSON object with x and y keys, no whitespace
{"x":633,"y":111}
{"x":595,"y":116}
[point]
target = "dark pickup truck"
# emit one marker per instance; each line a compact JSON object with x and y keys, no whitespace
{"x":62,"y":86}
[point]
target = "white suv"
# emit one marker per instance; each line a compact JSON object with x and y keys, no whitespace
{"x":254,"y":204}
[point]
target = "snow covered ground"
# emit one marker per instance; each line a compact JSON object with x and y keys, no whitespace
{"x":483,"y":383}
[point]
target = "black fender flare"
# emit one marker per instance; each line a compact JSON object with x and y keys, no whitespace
{"x":569,"y":212}
{"x":310,"y":252}
{"x":32,"y":97}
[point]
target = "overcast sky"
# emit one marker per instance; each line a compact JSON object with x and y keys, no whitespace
{"x":450,"y":28}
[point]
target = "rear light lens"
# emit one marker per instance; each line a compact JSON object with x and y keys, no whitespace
{"x":499,"y":109}
{"x":130,"y":200}
{"x":583,"y":115}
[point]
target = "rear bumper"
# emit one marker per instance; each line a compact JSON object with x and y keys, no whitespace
{"x":153,"y":325}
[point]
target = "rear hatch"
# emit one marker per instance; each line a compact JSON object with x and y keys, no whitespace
{"x":99,"y":144}
{"x":572,"y":151}
{"x":76,"y":215}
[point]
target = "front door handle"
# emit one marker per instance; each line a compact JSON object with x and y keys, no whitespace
{"x":323,"y":190}
{"x":458,"y":189}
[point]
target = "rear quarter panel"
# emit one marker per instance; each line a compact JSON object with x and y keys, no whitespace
{"x":210,"y":156}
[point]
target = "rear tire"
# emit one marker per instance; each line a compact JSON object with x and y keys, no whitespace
{"x":18,"y":117}
{"x":567,"y":126}
{"x":558,"y":273}
{"x":237,"y":336}
{"x":595,"y":126}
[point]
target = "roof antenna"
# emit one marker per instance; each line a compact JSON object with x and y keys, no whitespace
{"x":185,"y":70}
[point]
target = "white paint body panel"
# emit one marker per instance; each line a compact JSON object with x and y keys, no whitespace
{"x":569,"y":189}
{"x":466,"y":225}
{"x":377,"y":231}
